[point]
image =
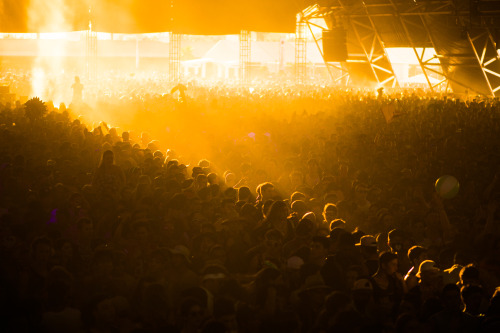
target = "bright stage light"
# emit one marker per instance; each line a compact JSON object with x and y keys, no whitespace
{"x":49,"y":16}
{"x":406,"y":55}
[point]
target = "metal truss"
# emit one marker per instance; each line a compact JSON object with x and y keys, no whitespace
{"x":412,"y":16}
{"x":337,"y":73}
{"x":90,"y":51}
{"x":425,"y":63}
{"x":245,"y":56}
{"x":406,"y":8}
{"x":485,"y":51}
{"x":374,"y":51}
{"x":174,"y":59}
{"x":300,"y":52}
{"x":367,"y":39}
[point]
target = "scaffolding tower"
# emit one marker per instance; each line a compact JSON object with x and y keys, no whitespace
{"x":90,"y":52}
{"x":174,"y":58}
{"x":300,"y":51}
{"x":245,"y":56}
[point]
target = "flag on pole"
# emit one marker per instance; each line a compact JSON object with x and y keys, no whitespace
{"x":389,"y":111}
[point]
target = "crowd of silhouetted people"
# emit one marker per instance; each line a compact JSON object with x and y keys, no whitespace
{"x":313,"y":211}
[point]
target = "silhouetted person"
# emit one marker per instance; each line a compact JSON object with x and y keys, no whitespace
{"x":77,"y":90}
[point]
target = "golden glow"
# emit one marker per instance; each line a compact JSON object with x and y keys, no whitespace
{"x":407,"y":67}
{"x":54,"y":18}
{"x":18,"y":36}
{"x":406,"y":55}
{"x":54,"y":35}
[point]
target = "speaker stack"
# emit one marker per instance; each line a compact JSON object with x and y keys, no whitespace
{"x":335,"y":45}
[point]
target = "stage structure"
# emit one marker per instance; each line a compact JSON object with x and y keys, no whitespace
{"x":174,"y":58}
{"x":463,"y":34}
{"x":366,"y":52}
{"x":301,"y":51}
{"x":245,"y":56}
{"x":90,"y":51}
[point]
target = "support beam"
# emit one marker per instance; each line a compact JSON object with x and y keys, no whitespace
{"x":90,"y":51}
{"x":369,"y":45}
{"x":245,"y":56}
{"x":331,"y":67}
{"x":484,"y":46}
{"x":420,"y":57}
{"x":368,"y":39}
{"x":473,"y":64}
{"x":174,"y":59}
{"x":300,"y":51}
{"x":480,"y":62}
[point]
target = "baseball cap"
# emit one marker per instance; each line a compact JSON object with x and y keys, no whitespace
{"x":367,"y":241}
{"x":427,"y":266}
